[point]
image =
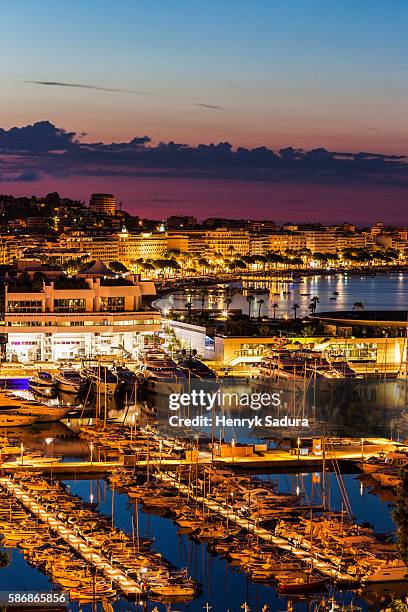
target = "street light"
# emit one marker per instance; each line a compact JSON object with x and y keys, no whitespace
{"x":233,"y":450}
{"x":21,"y":452}
{"x":91,"y":447}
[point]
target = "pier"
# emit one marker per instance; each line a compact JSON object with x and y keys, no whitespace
{"x":275,"y":458}
{"x":304,"y":553}
{"x":126,"y":585}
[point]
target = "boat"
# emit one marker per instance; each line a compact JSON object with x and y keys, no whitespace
{"x":10,"y":403}
{"x":45,"y":414}
{"x":11,"y":418}
{"x":197,"y":373}
{"x":161,"y":374}
{"x":127,"y":378}
{"x":397,"y":458}
{"x":70,"y":381}
{"x":394,"y":571}
{"x":102,"y":380}
{"x":296,"y":369}
{"x":296,"y":582}
{"x":43,"y":384}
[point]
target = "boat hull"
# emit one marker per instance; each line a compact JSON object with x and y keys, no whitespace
{"x":43,"y":390}
{"x":17,"y":420}
{"x":164,"y":386}
{"x":45,"y":414}
{"x":102,"y":388}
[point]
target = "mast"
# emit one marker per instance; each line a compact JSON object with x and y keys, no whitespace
{"x":324,"y":472}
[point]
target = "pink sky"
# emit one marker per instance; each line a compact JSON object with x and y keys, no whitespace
{"x":159,"y":198}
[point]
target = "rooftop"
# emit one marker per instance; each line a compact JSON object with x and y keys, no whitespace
{"x":365,"y":317}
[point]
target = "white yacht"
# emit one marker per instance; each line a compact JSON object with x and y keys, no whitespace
{"x":161,"y":374}
{"x":11,"y":418}
{"x":70,"y":381}
{"x":43,"y":384}
{"x":30,"y":411}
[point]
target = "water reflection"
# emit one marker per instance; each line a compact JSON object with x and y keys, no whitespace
{"x":335,"y":292}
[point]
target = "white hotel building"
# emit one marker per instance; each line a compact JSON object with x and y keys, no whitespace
{"x":94,"y":313}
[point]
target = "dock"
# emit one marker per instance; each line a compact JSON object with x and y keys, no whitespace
{"x":126,"y":585}
{"x":277,"y":458}
{"x":303,"y":553}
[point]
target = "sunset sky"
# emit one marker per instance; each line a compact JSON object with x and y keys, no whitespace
{"x":274,"y":74}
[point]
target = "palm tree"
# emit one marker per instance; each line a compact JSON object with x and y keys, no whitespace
{"x":313,"y":304}
{"x":188,"y":307}
{"x":203,"y":294}
{"x":259,"y":307}
{"x":275,"y":306}
{"x":295,"y":308}
{"x":229,"y":294}
{"x":250,"y":299}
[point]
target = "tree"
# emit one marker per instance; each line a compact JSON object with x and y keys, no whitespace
{"x":358,"y":306}
{"x":229,"y":294}
{"x":400,"y":515}
{"x":264,"y":330}
{"x":38,"y":281}
{"x":259,"y":307}
{"x":250,"y":299}
{"x":118,"y":267}
{"x":295,"y":309}
{"x":275,"y":306}
{"x":203,"y":294}
{"x":188,"y":307}
{"x":313,"y":304}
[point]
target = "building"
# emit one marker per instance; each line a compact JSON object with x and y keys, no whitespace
{"x":103,"y":203}
{"x":350,"y":241}
{"x":133,"y":247}
{"x":228,"y":242}
{"x":318,"y":241}
{"x":259,"y":244}
{"x":280,"y":242}
{"x":52,"y":317}
{"x":191,"y":242}
{"x":371,"y":354}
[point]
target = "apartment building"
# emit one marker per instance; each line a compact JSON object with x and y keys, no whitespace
{"x":228,"y":242}
{"x":281,"y":241}
{"x":191,"y":242}
{"x":320,"y":241}
{"x":147,"y":245}
{"x":259,"y":244}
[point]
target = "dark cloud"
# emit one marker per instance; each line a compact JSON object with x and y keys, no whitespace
{"x":40,"y":137}
{"x":87,"y":86}
{"x":42,"y":148}
{"x":210,"y":106}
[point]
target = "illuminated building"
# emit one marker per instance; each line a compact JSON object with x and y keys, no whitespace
{"x":103,"y":203}
{"x":92,"y":314}
{"x":228,"y":242}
